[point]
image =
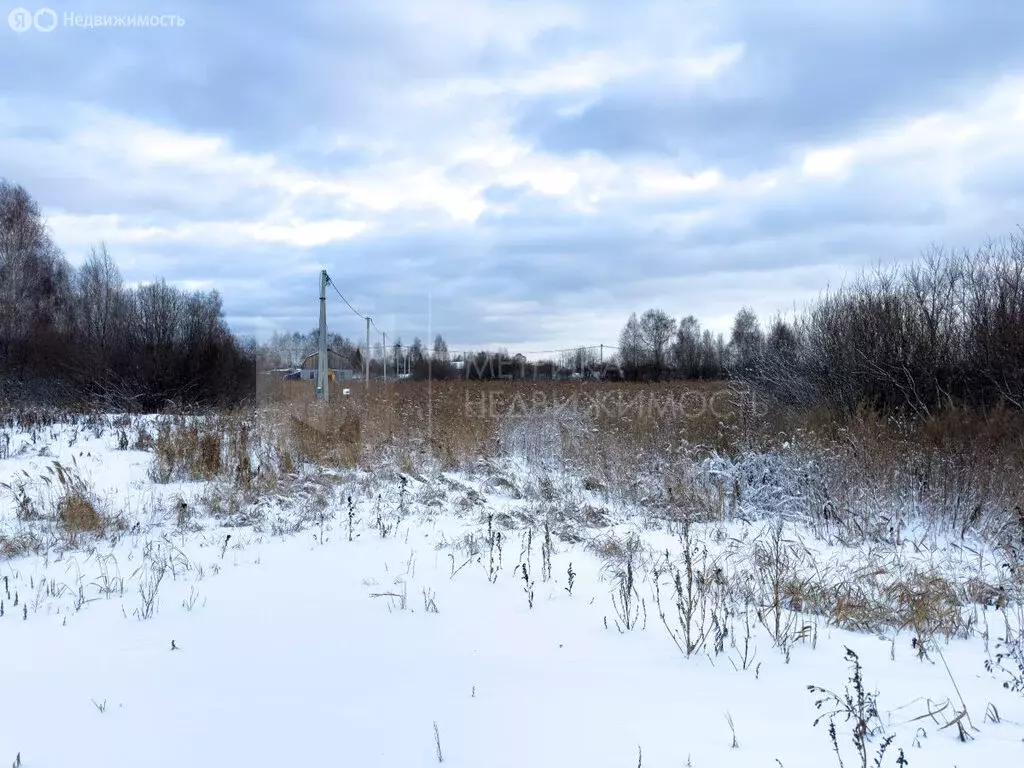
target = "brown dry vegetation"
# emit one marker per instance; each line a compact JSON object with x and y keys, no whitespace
{"x":853,"y":480}
{"x":459,"y":421}
{"x":78,"y":514}
{"x":76,"y":510}
{"x":15,"y":546}
{"x":961,"y":457}
{"x":963,"y":464}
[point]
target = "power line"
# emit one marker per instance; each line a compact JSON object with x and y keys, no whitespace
{"x":468,"y":352}
{"x":381,"y":334}
{"x":536,"y":352}
{"x":557,"y":351}
{"x":354,"y":310}
{"x":357,"y":313}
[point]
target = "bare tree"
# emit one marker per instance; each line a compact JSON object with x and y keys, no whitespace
{"x":397,"y":360}
{"x":746,"y":341}
{"x":656,"y":329}
{"x":35,"y":306}
{"x":631,"y":345}
{"x":582,"y":360}
{"x":914,"y":338}
{"x":100,"y":305}
{"x":686,"y":347}
{"x":440,"y":349}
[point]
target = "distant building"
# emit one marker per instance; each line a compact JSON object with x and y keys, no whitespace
{"x":284,"y":373}
{"x":337,"y":366}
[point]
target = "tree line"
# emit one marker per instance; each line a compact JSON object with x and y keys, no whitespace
{"x":657,"y":346}
{"x":288,"y":351}
{"x":285,"y":351}
{"x":80,"y":335}
{"x":945,"y":330}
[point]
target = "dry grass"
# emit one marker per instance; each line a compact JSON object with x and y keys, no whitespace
{"x":699,"y":454}
{"x":959,"y":467}
{"x":75,"y":507}
{"x":459,"y":422}
{"x":328,"y":436}
{"x":77,"y":514}
{"x":188,"y":449}
{"x":17,"y":545}
{"x":874,"y":601}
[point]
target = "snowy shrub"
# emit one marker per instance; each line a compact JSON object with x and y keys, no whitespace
{"x":858,"y":706}
{"x":776,"y":562}
{"x":75,"y":506}
{"x":700,"y":597}
{"x":542,"y":437}
{"x":151,"y":574}
{"x":1008,"y":662}
{"x":626,"y":600}
{"x":16,"y":545}
{"x":25,"y":508}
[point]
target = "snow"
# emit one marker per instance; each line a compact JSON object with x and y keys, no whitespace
{"x":287,"y":643}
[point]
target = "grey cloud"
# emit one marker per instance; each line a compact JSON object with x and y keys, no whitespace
{"x":286,"y":79}
{"x":808,"y":76}
{"x":260,"y":73}
{"x":71,"y":180}
{"x":253,"y":72}
{"x":1001,"y":179}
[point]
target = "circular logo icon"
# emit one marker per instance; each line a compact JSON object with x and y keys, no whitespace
{"x":20,"y":19}
{"x":46,"y":19}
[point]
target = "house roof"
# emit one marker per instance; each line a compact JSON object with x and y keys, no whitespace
{"x":335,"y":361}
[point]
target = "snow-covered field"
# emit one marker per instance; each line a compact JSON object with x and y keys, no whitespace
{"x":501,"y":615}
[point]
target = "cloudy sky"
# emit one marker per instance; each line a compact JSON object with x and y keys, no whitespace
{"x":518,"y":173}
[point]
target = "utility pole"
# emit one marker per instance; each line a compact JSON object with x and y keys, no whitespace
{"x":321,"y":362}
{"x":366,"y":359}
{"x":385,"y":344}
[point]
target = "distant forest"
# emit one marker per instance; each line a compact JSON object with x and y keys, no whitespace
{"x":945,"y":330}
{"x":72,"y":336}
